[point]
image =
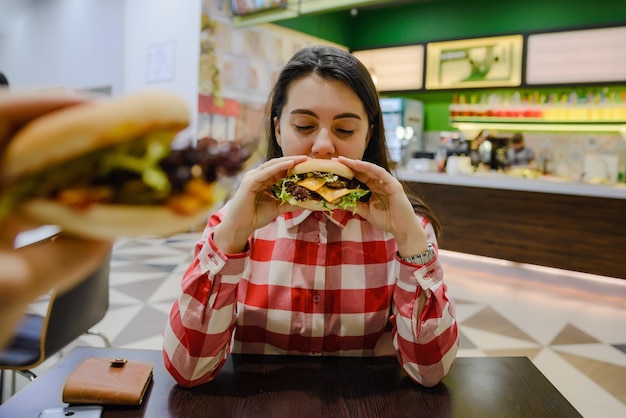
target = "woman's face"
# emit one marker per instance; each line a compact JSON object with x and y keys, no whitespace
{"x":322,"y":119}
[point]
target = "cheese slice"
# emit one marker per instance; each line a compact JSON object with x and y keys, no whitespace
{"x":330,"y":195}
{"x":312,"y":183}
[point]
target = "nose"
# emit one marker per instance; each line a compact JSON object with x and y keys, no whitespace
{"x":323,"y":146}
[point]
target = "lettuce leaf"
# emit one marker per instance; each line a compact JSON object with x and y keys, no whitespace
{"x":347,"y":202}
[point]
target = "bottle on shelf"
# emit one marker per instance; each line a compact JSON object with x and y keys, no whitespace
{"x":596,"y":106}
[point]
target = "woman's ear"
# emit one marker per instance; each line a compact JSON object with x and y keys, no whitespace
{"x":277,"y":130}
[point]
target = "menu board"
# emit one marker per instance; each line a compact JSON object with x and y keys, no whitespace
{"x":582,"y":56}
{"x":396,"y":68}
{"x":482,"y":62}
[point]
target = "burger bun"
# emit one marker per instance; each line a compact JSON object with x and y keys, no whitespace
{"x":66,"y":134}
{"x":102,"y":221}
{"x":323,"y":166}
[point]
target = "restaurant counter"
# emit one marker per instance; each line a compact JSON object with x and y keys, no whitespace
{"x":568,"y":225}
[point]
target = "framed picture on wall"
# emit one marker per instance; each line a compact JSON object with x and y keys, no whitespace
{"x":469,"y":63}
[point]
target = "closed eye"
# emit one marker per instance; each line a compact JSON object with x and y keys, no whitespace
{"x":345,"y":132}
{"x":304,"y":128}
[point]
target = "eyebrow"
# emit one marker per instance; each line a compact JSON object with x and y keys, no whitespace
{"x":339,"y":116}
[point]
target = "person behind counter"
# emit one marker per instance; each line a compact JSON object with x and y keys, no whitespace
{"x":276,"y":279}
{"x":518,"y":153}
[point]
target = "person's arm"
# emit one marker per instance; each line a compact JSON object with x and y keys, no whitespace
{"x":426,"y":335}
{"x":31,"y":271}
{"x":197,"y":337}
{"x":59,"y":263}
{"x":425,"y":330}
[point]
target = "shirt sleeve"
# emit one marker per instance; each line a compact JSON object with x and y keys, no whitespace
{"x":198,"y":334}
{"x":426,"y":340}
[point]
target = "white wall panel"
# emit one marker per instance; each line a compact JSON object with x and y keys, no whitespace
{"x":74,"y":43}
{"x":173,"y":26}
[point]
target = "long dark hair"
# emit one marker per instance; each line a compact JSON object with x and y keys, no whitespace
{"x":333,"y":63}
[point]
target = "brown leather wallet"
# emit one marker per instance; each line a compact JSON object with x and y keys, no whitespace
{"x":108,"y":382}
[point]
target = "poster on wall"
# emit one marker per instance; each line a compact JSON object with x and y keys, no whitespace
{"x":238,"y":68}
{"x":161,"y":62}
{"x":482,"y":62}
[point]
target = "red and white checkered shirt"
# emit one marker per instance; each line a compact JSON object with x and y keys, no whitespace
{"x":310,"y":284}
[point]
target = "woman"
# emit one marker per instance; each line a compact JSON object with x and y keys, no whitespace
{"x":519,"y":155}
{"x":276,"y":279}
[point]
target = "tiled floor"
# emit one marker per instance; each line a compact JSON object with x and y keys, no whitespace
{"x":572,"y":328}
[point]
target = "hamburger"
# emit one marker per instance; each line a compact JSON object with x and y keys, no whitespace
{"x":320,"y":185}
{"x":106,"y":168}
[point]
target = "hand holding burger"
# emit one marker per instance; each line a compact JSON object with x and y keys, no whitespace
{"x":286,"y":184}
{"x":319,"y":184}
{"x":105,"y":168}
{"x":59,"y":263}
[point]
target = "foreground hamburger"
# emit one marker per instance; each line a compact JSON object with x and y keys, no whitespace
{"x":106,"y":168}
{"x":318,"y":184}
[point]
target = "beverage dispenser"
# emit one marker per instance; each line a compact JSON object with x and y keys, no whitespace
{"x":404,"y":125}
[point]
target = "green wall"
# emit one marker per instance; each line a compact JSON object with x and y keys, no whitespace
{"x":330,"y":26}
{"x":449,"y":19}
{"x":454,"y":19}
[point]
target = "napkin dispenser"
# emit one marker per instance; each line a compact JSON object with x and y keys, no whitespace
{"x":600,"y":168}
{"x":457,"y":164}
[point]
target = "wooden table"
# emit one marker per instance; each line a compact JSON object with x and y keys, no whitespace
{"x":290,"y":386}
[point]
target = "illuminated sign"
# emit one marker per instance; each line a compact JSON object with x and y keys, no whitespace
{"x":483,"y":62}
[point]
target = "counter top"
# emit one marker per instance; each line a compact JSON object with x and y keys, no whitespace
{"x":502,"y":181}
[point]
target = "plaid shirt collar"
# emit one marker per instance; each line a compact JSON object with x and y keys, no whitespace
{"x":339,"y":217}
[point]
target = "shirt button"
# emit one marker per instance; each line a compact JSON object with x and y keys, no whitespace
{"x":316,"y":298}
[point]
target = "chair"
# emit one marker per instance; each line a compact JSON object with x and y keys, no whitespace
{"x":69,"y":315}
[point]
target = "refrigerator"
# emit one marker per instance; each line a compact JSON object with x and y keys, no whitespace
{"x":404,"y":127}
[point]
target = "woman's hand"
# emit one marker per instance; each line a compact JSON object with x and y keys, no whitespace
{"x":253,"y":205}
{"x":388,"y":208}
